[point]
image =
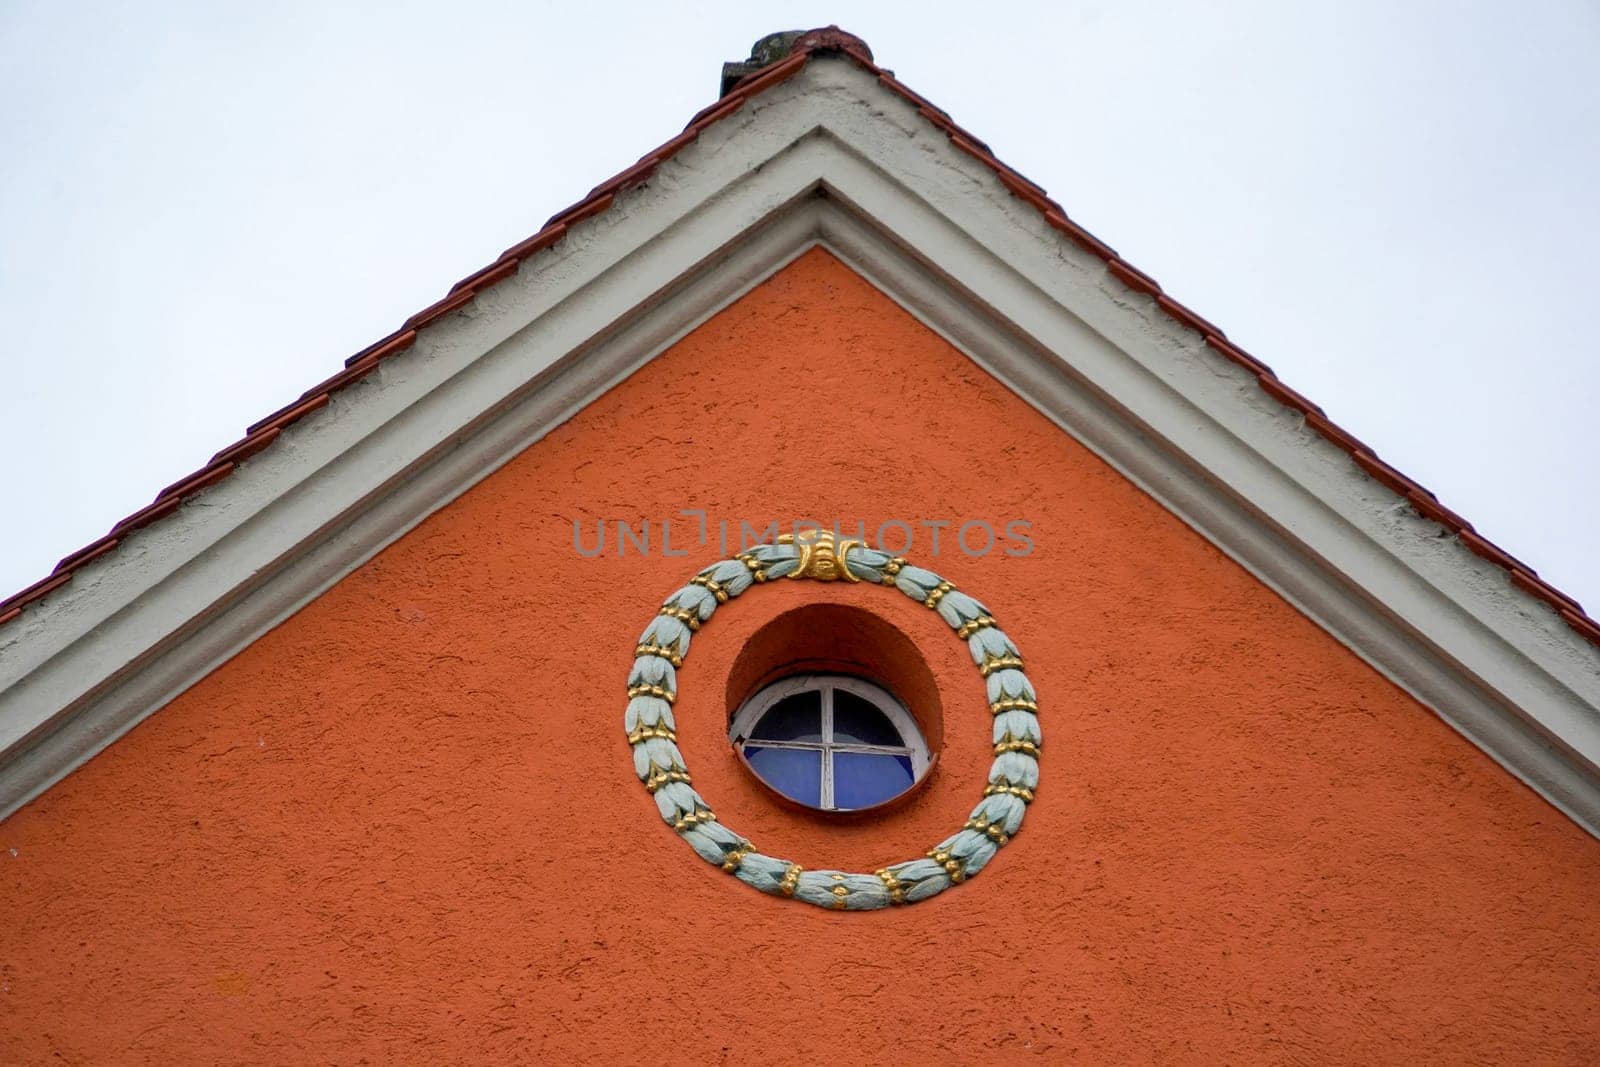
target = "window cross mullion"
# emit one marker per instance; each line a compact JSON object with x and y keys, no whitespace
{"x":866,"y":776}
{"x":827,"y":746}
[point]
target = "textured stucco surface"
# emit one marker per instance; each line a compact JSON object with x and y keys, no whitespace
{"x":402,"y":827}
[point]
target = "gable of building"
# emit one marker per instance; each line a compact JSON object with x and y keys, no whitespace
{"x":819,"y":149}
{"x":402,"y":824}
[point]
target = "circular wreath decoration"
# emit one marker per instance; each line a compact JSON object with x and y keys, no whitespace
{"x":653,"y":689}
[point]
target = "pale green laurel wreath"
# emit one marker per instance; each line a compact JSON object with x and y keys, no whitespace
{"x":653,"y":688}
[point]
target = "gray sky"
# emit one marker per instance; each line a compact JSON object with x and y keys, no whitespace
{"x":204,"y":208}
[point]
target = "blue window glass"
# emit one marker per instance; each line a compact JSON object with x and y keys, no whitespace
{"x":830,"y":741}
{"x":862,"y":779}
{"x":794,"y":718}
{"x":794,"y":772}
{"x":856,"y":721}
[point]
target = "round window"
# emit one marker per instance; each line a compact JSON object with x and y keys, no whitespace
{"x":830,"y":741}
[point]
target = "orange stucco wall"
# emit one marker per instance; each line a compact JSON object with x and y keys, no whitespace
{"x":403,"y":827}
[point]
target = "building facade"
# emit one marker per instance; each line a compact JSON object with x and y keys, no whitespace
{"x":380,"y":739}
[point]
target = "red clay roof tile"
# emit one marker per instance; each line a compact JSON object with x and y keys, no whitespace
{"x":146,"y":515}
{"x":1288,"y":397}
{"x":1021,"y":186}
{"x":1089,"y":241}
{"x":690,"y":134}
{"x":1345,"y":440}
{"x":1380,"y":471}
{"x":937,"y":114}
{"x":285,"y":415}
{"x":583,"y":209}
{"x":1544,"y":591}
{"x":1187,"y":317}
{"x":635,"y":174}
{"x":498,"y":271}
{"x":1238,"y":355}
{"x":247,"y":446}
{"x":54,"y":580}
{"x":537,"y":243}
{"x":398,"y":341}
{"x":1430,"y":508}
{"x":1133,"y":278}
{"x":89,"y":551}
{"x":829,"y":40}
{"x":721,"y":109}
{"x":1488,"y":550}
{"x":433,"y":312}
{"x":196,"y":482}
{"x":1581,"y":623}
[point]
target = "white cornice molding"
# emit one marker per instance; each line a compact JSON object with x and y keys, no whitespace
{"x":830,"y":158}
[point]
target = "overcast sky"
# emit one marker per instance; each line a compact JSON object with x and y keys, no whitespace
{"x":204,"y":208}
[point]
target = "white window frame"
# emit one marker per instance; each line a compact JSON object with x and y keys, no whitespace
{"x":915,"y":746}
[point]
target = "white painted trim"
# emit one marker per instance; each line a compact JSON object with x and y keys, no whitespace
{"x":938,"y":233}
